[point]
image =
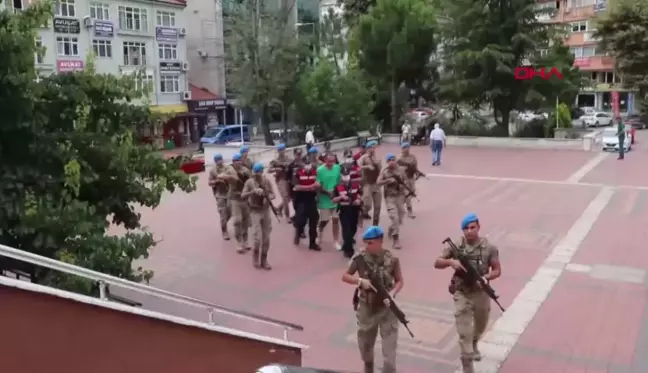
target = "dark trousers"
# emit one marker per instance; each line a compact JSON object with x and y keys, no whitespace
{"x":349,"y":216}
{"x":306,"y":212}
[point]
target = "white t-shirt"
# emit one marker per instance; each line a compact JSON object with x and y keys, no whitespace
{"x":437,"y":134}
{"x":406,"y":129}
{"x":310,"y":138}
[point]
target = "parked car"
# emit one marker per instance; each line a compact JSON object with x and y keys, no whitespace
{"x":610,"y":140}
{"x":225,"y":134}
{"x":636,"y":121}
{"x":597,"y":119}
{"x":528,"y":116}
{"x":577,"y":112}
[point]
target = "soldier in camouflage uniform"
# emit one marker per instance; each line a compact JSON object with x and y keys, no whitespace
{"x":472,"y":305}
{"x":258,"y":192}
{"x":369,"y":169}
{"x":409,"y":162}
{"x":244,"y":151}
{"x":236,"y":175}
{"x":220,"y":188}
{"x":394,"y":193}
{"x":373,"y":315}
{"x":279,"y":167}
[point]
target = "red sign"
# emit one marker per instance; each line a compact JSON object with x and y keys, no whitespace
{"x":68,"y":65}
{"x":528,"y":73}
{"x":614,"y":95}
{"x":581,"y":61}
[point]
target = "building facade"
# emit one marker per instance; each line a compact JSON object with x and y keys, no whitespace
{"x":578,"y":18}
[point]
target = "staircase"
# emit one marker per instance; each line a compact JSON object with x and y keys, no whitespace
{"x":47,"y":329}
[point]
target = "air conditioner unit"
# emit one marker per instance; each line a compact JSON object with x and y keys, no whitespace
{"x":185,"y":66}
{"x":186,"y":95}
{"x":182,"y":31}
{"x":202,"y":53}
{"x":87,"y":22}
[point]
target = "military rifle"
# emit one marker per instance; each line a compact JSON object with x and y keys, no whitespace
{"x":471,"y":275}
{"x":267,"y":198}
{"x":382,"y":294}
{"x":400,"y":182}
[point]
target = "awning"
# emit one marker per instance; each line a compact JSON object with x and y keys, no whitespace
{"x":169,"y":109}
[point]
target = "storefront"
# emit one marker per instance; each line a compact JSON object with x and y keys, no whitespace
{"x":208,"y":110}
{"x":600,"y":98}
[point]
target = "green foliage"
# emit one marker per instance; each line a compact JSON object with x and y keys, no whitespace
{"x":564,"y":116}
{"x":263,"y":53}
{"x":353,"y":9}
{"x":332,"y":38}
{"x":623,"y":30}
{"x":70,"y":165}
{"x":337,"y":104}
{"x":393,"y":44}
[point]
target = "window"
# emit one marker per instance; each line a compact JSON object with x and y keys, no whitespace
{"x":144,"y":82}
{"x":66,"y":8}
{"x":102,"y":48}
{"x":580,"y":3}
{"x":583,"y":52}
{"x":579,"y":26}
{"x":100,"y":11}
{"x":166,"y":19}
{"x":67,"y":46}
{"x":132,"y":19}
{"x":39,"y":56}
{"x":134,"y":53}
{"x":169,"y":83}
{"x":18,"y":6}
{"x":168,"y":52}
{"x":543,"y":52}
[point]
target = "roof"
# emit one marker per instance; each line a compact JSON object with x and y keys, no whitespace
{"x":174,"y":2}
{"x":200,"y":93}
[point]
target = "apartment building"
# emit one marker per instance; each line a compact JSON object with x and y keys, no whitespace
{"x":578,"y":18}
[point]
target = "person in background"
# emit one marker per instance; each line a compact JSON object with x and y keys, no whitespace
{"x":310,"y":139}
{"x":328,"y":177}
{"x":279,"y":167}
{"x":621,"y":135}
{"x":220,"y":187}
{"x":244,"y":151}
{"x":326,"y":152}
{"x":305,"y":190}
{"x":370,"y":168}
{"x":348,"y":195}
{"x":296,"y":164}
{"x":406,"y":132}
{"x":352,"y":165}
{"x":437,"y":143}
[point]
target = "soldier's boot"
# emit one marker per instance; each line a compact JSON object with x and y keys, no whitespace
{"x":467,"y":365}
{"x":246,"y":243}
{"x":368,"y":368}
{"x":256,"y":261}
{"x":375,"y":221}
{"x":476,"y":354}
{"x":264,"y":262}
{"x":226,"y":235}
{"x":397,"y":245}
{"x":410,"y":213}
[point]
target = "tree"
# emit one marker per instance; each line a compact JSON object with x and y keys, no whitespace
{"x":484,"y":41}
{"x":393,"y":43}
{"x":70,"y":164}
{"x":353,"y":9}
{"x":263,"y":48}
{"x":623,"y":30}
{"x":337,"y":104}
{"x":332,"y":38}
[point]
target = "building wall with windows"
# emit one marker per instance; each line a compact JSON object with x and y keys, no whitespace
{"x":125,"y":37}
{"x":577,"y":16}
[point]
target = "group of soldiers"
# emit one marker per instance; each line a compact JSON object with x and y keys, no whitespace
{"x":322,"y":189}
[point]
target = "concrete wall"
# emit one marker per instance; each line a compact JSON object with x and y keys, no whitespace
{"x":44,"y":332}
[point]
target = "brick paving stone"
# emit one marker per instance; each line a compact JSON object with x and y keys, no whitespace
{"x":614,"y":172}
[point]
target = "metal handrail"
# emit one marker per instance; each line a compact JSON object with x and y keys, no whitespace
{"x":104,"y":279}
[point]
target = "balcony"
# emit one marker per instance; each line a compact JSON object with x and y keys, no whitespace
{"x":581,"y":38}
{"x":595,"y":63}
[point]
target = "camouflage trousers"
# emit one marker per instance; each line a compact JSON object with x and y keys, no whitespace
{"x":261,"y":228}
{"x":371,"y":322}
{"x":224,"y":211}
{"x":396,"y":213}
{"x":241,"y":216}
{"x":284,"y":191}
{"x":472,"y":309}
{"x":371,"y":198}
{"x":411,"y":183}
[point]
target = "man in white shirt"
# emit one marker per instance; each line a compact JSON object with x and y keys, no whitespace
{"x":310,"y":139}
{"x":406,"y":135}
{"x":437,"y":143}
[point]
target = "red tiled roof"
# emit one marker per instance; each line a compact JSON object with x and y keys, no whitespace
{"x":198,"y":93}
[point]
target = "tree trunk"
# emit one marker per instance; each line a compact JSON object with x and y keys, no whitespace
{"x":265,"y":126}
{"x":284,"y":121}
{"x":394,"y":106}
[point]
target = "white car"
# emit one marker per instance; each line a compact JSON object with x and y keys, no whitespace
{"x":527,"y":116}
{"x":610,"y":140}
{"x":597,"y":119}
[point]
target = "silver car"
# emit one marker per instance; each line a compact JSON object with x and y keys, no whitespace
{"x":597,"y":119}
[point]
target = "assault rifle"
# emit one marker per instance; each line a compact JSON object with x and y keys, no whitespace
{"x":399,"y":181}
{"x":267,"y":198}
{"x":382,"y":294}
{"x":471,"y":276}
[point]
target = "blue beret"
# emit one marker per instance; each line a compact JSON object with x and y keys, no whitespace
{"x":243,"y":149}
{"x":390,"y":157}
{"x":218,"y":157}
{"x":236,"y":157}
{"x":370,"y":144}
{"x":258,"y":167}
{"x":281,"y":146}
{"x":373,"y":232}
{"x":467,"y":219}
{"x":312,"y":150}
{"x":405,"y":145}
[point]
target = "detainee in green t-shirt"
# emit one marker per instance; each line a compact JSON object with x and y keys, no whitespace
{"x":328,"y":176}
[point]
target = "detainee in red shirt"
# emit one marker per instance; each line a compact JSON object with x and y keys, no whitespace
{"x":352,"y":165}
{"x":348,"y":195}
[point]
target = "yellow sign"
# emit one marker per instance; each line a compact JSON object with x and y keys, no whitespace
{"x":169,"y":109}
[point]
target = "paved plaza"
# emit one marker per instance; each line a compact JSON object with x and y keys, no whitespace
{"x":570,"y":227}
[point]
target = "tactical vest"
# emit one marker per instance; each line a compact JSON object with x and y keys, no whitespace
{"x":382,"y":264}
{"x":479,"y":257}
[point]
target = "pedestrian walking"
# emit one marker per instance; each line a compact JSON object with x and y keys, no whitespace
{"x":310,"y":139}
{"x":392,"y":178}
{"x":259,"y":195}
{"x":408,"y":161}
{"x":220,"y":188}
{"x":437,"y":143}
{"x":472,"y":304}
{"x":348,"y":196}
{"x":370,"y":169}
{"x":279,"y":167}
{"x":373,"y":315}
{"x":306,"y":188}
{"x":328,"y":177}
{"x":236,"y":175}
